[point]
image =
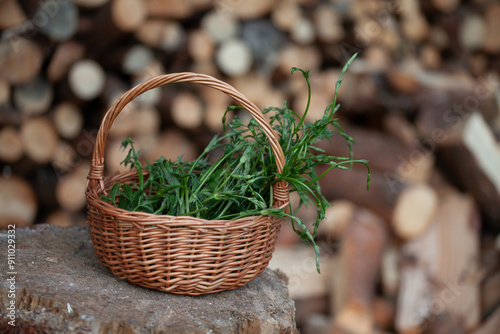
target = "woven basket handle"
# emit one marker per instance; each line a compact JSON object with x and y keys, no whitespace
{"x":97,"y":167}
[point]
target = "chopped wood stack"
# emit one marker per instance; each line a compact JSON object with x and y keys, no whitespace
{"x":418,"y":253}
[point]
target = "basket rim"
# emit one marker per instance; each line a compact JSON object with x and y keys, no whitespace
{"x":154,"y":219}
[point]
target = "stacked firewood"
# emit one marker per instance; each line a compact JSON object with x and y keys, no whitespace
{"x":417,"y":253}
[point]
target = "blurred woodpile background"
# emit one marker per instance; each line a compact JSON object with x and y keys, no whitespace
{"x":418,"y":253}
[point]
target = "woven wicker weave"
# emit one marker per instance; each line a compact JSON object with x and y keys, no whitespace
{"x":179,"y":254}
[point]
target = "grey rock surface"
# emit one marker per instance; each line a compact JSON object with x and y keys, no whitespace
{"x":61,"y":287}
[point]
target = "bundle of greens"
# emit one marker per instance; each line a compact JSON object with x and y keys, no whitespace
{"x":239,"y":183}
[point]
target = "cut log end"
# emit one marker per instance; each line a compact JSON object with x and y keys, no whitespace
{"x":337,"y":219}
{"x":353,"y":319}
{"x":70,"y":191}
{"x":414,"y":210}
{"x":86,"y":79}
{"x":128,"y":15}
{"x":354,"y":289}
{"x":19,"y":204}
{"x":34,"y":98}
{"x":20,"y":60}
{"x":187,"y":110}
{"x":11,"y":14}
{"x":40,"y":139}
{"x":68,"y":120}
{"x":234,"y":58}
{"x":201,"y":46}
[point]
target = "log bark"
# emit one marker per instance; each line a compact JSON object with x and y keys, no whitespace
{"x":414,"y":298}
{"x":459,"y":269}
{"x":383,"y":313}
{"x":4,"y":92}
{"x":10,"y":116}
{"x":446,"y":104}
{"x":470,"y":155}
{"x":169,"y":9}
{"x":491,"y":324}
{"x":444,"y":323}
{"x":66,"y":54}
{"x":411,"y":162}
{"x":491,"y":42}
{"x":361,"y":254}
{"x":351,"y":185}
{"x":403,"y":81}
{"x":399,"y":127}
{"x":248,"y":10}
{"x":53,"y":295}
{"x":490,"y":293}
{"x":446,"y":6}
{"x":390,"y":274}
{"x":446,"y":255}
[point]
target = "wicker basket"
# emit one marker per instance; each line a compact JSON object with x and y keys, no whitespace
{"x":179,"y":254}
